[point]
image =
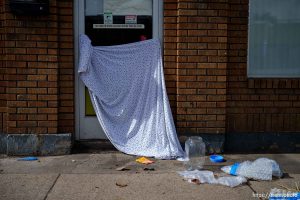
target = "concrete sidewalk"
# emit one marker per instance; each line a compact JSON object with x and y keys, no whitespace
{"x":94,"y":176}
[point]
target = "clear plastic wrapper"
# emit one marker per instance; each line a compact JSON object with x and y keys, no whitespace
{"x":260,"y":169}
{"x":208,"y":177}
{"x":195,"y":153}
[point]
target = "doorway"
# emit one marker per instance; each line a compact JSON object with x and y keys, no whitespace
{"x":110,"y":22}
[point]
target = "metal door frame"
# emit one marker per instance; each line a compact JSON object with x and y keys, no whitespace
{"x":79,"y":25}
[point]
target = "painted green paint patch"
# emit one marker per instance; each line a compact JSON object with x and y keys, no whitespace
{"x":89,"y":110}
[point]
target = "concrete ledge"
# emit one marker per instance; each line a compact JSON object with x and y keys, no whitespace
{"x":3,"y":143}
{"x":30,"y":144}
{"x":263,"y":142}
{"x":92,"y":146}
{"x":23,"y":144}
{"x":58,"y":144}
{"x":214,"y":143}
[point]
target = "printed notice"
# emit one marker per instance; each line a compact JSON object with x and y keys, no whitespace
{"x":130,"y":19}
{"x":108,"y":18}
{"x":118,"y":26}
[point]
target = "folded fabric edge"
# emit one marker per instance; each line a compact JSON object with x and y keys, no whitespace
{"x":85,"y":53}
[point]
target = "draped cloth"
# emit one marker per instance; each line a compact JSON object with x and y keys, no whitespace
{"x":127,"y":88}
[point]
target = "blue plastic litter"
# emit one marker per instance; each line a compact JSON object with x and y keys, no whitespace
{"x":234,"y":168}
{"x":30,"y":158}
{"x":216,"y":158}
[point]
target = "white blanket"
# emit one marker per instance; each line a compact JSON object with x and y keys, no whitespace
{"x":127,"y":88}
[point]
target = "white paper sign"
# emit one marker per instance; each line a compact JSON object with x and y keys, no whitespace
{"x":108,"y":18}
{"x":118,"y":26}
{"x":130,"y":19}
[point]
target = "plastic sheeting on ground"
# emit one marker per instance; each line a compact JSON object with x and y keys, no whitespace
{"x":260,"y":169}
{"x":127,"y":88}
{"x":208,"y":177}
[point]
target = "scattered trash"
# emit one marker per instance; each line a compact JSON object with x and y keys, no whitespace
{"x":1,"y":170}
{"x":199,"y":177}
{"x":73,"y":160}
{"x":30,"y":158}
{"x":195,"y":181}
{"x":121,"y":184}
{"x":149,"y":169}
{"x":231,"y":181}
{"x":276,"y":194}
{"x":123,"y":168}
{"x":260,"y":169}
{"x":216,"y":158}
{"x":183,"y":159}
{"x":195,"y":153}
{"x":144,"y":160}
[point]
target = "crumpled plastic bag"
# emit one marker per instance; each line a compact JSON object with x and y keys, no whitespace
{"x":260,"y":169}
{"x":205,"y":176}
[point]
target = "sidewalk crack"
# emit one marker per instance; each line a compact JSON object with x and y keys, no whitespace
{"x":51,"y":187}
{"x":254,"y":191}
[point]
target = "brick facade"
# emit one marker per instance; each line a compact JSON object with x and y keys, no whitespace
{"x":206,"y":69}
{"x":3,"y":83}
{"x":195,"y":35}
{"x":37,"y":71}
{"x":256,"y":105}
{"x":205,"y":65}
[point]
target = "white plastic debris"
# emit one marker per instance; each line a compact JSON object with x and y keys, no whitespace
{"x":208,"y":177}
{"x":231,"y":181}
{"x":260,"y":169}
{"x":195,"y":151}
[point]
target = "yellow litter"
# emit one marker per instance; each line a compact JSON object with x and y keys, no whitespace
{"x":144,"y":160}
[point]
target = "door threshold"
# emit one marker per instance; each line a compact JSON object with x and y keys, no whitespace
{"x":92,"y":146}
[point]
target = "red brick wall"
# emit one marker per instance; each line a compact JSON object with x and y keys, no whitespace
{"x":3,"y":83}
{"x":66,"y":109}
{"x":256,"y":105}
{"x":170,"y":51}
{"x":195,"y":59}
{"x":205,"y":54}
{"x":38,"y":69}
{"x":205,"y":57}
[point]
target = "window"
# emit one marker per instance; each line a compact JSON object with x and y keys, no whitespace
{"x":274,"y":38}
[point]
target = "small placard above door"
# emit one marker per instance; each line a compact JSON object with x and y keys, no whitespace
{"x":130,"y":19}
{"x":118,"y":26}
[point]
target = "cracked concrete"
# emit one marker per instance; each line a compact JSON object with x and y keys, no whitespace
{"x":94,"y":176}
